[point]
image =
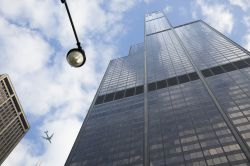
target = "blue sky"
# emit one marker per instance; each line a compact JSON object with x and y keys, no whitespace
{"x":35,"y":35}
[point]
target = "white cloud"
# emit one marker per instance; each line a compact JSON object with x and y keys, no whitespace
{"x":62,"y":140}
{"x":243,"y":4}
{"x":121,"y":5}
{"x":247,"y":41}
{"x":65,"y":132}
{"x":26,"y":56}
{"x":50,"y":17}
{"x":32,"y":13}
{"x":35,"y":36}
{"x":217,"y":15}
{"x":182,"y":10}
{"x":194,"y":15}
{"x":168,"y":9}
{"x":25,"y":49}
{"x":148,"y":1}
{"x":246,"y":22}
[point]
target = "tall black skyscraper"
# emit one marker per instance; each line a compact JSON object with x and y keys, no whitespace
{"x":180,"y":98}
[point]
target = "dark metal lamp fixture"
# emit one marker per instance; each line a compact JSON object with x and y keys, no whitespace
{"x":76,"y":56}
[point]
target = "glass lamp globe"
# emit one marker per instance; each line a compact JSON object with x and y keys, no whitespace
{"x":76,"y":57}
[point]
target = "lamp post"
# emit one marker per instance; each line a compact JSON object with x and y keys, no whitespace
{"x":76,"y":56}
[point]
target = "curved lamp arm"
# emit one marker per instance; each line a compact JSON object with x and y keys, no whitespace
{"x":76,"y":56}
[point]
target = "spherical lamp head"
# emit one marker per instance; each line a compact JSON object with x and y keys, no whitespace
{"x":76,"y":57}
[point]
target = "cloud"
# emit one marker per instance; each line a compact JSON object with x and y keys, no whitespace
{"x":194,"y":15}
{"x":247,"y":42}
{"x":148,"y":1}
{"x":30,"y":13}
{"x":243,"y":4}
{"x":182,"y":10}
{"x":121,"y":5}
{"x":55,"y":152}
{"x":61,"y":141}
{"x":246,"y":22}
{"x":35,"y":36}
{"x":217,"y":15}
{"x":27,"y":56}
{"x":168,"y":9}
{"x":26,"y":50}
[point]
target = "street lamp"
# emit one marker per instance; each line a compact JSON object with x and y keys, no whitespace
{"x":76,"y":56}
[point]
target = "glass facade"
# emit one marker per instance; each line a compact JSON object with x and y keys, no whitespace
{"x":113,"y":132}
{"x":124,"y":73}
{"x":182,"y":98}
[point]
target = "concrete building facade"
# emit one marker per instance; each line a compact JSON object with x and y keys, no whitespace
{"x":13,"y":123}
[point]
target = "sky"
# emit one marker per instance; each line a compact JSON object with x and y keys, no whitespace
{"x":35,"y":36}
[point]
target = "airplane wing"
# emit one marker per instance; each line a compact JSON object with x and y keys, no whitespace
{"x":51,"y":136}
{"x":48,"y":137}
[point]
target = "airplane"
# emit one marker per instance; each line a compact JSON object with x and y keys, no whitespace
{"x":47,"y":136}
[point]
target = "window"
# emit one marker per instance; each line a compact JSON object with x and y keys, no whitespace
{"x":109,"y":97}
{"x":119,"y":94}
{"x":240,"y":64}
{"x":139,"y":89}
{"x":161,"y":84}
{"x":206,"y":73}
{"x":99,"y":99}
{"x":193,"y":76}
{"x":217,"y":70}
{"x":151,"y":86}
{"x":172,"y":81}
{"x":183,"y":78}
{"x":130,"y":92}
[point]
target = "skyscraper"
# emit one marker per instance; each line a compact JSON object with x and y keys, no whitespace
{"x":13,"y":124}
{"x":180,"y":98}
